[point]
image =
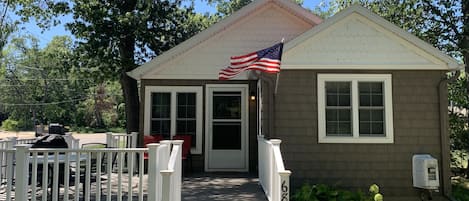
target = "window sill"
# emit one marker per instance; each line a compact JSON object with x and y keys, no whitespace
{"x":356,"y":140}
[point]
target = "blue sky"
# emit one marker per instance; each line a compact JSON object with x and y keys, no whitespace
{"x":46,"y":36}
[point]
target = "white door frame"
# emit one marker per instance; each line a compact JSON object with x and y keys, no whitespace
{"x":209,"y":89}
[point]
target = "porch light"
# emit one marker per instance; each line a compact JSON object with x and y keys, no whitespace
{"x":252,"y":96}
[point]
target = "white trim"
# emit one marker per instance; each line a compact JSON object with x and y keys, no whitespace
{"x":209,"y":89}
{"x":355,"y":78}
{"x":174,"y":90}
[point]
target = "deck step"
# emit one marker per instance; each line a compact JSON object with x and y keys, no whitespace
{"x":218,"y":187}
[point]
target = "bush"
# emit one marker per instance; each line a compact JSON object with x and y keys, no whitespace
{"x":322,"y":192}
{"x":16,"y":125}
{"x":10,"y":125}
{"x":460,"y":193}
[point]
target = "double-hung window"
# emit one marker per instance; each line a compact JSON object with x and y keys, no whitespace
{"x":355,"y":108}
{"x":174,"y":110}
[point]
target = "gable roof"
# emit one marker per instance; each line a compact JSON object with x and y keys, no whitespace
{"x":218,"y":27}
{"x":445,"y":62}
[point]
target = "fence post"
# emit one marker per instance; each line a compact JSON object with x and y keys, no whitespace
{"x":109,"y":141}
{"x":166,"y":185}
{"x":285,"y":185}
{"x":134,"y":137}
{"x":22,"y":169}
{"x":177,"y":171}
{"x":152,"y":173}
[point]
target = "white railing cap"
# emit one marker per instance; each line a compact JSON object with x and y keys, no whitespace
{"x":275,"y":141}
{"x":177,"y":142}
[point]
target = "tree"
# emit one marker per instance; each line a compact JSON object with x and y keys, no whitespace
{"x":39,"y":84}
{"x":117,"y":36}
{"x":225,"y":8}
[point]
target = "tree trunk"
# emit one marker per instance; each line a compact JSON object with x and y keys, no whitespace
{"x":128,"y":84}
{"x":130,"y":92}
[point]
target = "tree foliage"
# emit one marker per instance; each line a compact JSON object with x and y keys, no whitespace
{"x":115,"y":37}
{"x":225,"y":8}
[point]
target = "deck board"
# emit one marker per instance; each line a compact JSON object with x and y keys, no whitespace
{"x":218,"y":187}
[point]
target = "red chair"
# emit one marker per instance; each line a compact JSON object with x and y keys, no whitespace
{"x":186,"y":147}
{"x":148,"y":139}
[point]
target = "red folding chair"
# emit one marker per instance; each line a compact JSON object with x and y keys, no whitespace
{"x":148,"y":139}
{"x":186,"y":148}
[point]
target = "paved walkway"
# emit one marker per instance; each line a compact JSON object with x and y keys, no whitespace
{"x":218,"y":187}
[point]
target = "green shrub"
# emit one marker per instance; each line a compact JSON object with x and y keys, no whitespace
{"x":460,"y":193}
{"x":322,"y":192}
{"x":16,"y":125}
{"x":10,"y":125}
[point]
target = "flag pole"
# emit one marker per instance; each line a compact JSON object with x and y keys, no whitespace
{"x":278,"y":75}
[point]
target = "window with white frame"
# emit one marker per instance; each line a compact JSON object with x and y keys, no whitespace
{"x":174,"y":110}
{"x":355,"y":108}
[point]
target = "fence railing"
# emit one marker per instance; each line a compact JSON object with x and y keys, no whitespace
{"x":88,"y":174}
{"x":121,"y":140}
{"x":273,"y":177}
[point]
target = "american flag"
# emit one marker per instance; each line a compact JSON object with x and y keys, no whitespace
{"x":266,"y":60}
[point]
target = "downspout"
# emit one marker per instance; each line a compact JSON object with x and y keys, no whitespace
{"x":444,"y":135}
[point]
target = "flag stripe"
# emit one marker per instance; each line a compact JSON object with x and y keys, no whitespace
{"x":266,"y":60}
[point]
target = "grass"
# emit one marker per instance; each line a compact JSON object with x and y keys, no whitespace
{"x":460,"y":189}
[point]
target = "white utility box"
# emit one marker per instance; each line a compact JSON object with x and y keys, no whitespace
{"x":425,"y":171}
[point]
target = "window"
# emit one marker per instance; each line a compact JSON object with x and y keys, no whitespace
{"x":355,"y":108}
{"x":174,"y":110}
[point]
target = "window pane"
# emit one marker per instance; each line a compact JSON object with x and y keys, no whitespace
{"x":226,"y":105}
{"x":365,"y":128}
{"x":371,"y":93}
{"x":377,"y":128}
{"x":160,"y":105}
{"x":160,"y":127}
{"x":371,"y":121}
{"x":338,"y":93}
{"x":226,"y":136}
{"x":344,"y":115}
{"x":331,"y":115}
{"x":338,"y":122}
{"x":187,"y":127}
{"x":185,"y":120}
{"x":377,"y":100}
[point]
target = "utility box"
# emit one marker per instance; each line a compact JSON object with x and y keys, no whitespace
{"x":425,"y":171}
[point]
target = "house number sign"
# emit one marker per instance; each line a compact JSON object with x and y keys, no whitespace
{"x":285,"y":191}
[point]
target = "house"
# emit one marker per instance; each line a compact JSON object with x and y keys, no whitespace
{"x":356,"y":98}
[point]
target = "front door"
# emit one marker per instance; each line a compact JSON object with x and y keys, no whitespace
{"x":226,"y":128}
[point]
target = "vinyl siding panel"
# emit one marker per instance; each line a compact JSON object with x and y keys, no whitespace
{"x":416,"y":130}
{"x":258,"y":30}
{"x":357,"y":41}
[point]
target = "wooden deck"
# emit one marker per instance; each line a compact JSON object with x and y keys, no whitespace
{"x":226,"y":187}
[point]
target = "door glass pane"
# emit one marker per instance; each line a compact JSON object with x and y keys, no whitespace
{"x":226,"y":105}
{"x":226,"y":136}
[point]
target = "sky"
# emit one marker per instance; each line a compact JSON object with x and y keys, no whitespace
{"x":59,"y":30}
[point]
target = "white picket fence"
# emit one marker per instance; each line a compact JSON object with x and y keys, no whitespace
{"x":273,"y":177}
{"x":84,"y":174}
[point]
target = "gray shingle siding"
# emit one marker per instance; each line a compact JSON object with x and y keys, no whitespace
{"x":416,"y":117}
